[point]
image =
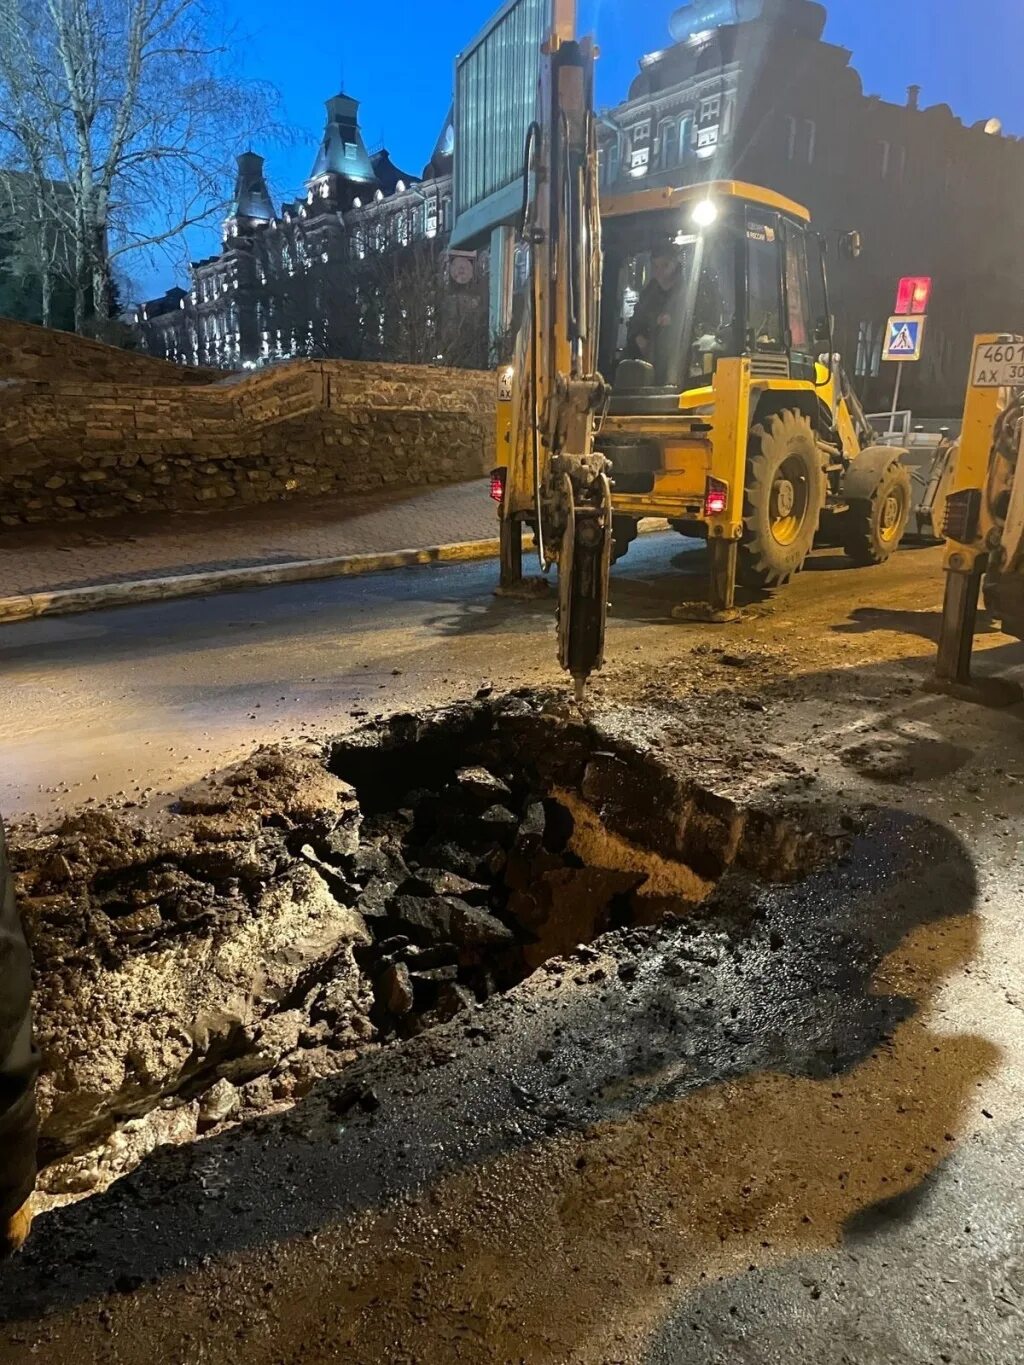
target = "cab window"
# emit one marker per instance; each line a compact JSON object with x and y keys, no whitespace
{"x":798,"y":303}
{"x":764,"y":274}
{"x":675,"y":306}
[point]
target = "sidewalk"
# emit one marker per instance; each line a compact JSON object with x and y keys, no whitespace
{"x":82,"y":554}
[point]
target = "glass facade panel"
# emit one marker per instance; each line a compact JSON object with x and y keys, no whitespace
{"x":496,"y":92}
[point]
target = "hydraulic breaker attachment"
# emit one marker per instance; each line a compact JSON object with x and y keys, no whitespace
{"x":584,"y":562}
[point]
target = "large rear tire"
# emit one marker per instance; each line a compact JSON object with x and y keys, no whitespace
{"x":782,"y":500}
{"x":873,"y":527}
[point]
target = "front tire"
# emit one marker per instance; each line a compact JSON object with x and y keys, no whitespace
{"x":873,"y":527}
{"x":782,"y":501}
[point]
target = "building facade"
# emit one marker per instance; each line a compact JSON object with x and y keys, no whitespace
{"x":749,"y":90}
{"x":358,"y":268}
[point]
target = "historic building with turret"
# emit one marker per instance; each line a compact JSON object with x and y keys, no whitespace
{"x":744,"y":89}
{"x":358,"y":267}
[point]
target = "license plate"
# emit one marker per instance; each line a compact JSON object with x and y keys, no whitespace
{"x":999,"y":365}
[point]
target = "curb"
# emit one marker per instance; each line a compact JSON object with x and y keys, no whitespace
{"x":99,"y":596}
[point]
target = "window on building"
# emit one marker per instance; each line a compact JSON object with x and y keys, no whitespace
{"x":642,"y":133}
{"x":801,"y":139}
{"x":885,"y":158}
{"x":710,"y":109}
{"x":707,"y":140}
{"x":613,"y":162}
{"x":430,"y":218}
{"x":685,"y":138}
{"x":668,"y":144}
{"x":728,"y":117}
{"x":869,"y":349}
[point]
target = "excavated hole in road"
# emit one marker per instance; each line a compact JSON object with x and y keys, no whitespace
{"x":301,"y":910}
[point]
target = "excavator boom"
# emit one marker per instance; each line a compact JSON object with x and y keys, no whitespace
{"x":557,"y":392}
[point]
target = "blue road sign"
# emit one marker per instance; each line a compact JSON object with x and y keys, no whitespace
{"x":904,"y":339}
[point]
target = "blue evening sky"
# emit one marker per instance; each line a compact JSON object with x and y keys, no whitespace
{"x":396,"y":57}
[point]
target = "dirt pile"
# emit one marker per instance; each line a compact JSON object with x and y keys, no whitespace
{"x":302,"y":908}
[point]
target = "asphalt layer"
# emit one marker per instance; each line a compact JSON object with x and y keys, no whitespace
{"x":788,"y":1131}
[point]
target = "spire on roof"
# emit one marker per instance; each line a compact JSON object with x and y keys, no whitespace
{"x":342,"y":150}
{"x":252,"y":198}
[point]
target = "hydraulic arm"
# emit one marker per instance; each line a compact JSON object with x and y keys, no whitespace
{"x":557,"y":393}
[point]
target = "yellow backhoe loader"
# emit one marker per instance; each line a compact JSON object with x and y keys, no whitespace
{"x":721,"y":417}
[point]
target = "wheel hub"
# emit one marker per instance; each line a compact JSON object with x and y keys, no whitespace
{"x":785,"y":497}
{"x":892,"y":516}
{"x":789,"y":501}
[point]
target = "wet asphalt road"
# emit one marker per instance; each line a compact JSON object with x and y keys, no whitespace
{"x":150,"y":697}
{"x":791,"y":1134}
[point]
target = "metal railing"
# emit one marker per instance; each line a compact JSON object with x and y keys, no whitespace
{"x":892,"y":423}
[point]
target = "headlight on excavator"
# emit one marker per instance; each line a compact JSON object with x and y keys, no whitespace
{"x":705,"y":214}
{"x":716,"y":497}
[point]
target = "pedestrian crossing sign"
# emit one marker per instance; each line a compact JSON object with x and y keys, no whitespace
{"x":904,"y":338}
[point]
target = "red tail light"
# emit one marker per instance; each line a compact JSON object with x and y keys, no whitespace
{"x":498,"y":484}
{"x":716,"y":498}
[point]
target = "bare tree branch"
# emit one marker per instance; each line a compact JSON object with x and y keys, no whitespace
{"x":133,"y":106}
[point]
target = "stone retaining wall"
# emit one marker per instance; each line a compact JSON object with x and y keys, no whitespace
{"x":73,"y":448}
{"x":42,"y":353}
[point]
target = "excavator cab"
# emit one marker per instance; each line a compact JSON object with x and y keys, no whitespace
{"x":713,"y":278}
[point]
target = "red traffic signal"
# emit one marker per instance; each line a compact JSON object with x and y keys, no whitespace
{"x":913,"y":295}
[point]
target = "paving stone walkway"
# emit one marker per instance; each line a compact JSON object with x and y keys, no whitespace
{"x":80,"y":554}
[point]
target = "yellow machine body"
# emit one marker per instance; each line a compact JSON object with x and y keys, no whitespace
{"x":695,"y":439}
